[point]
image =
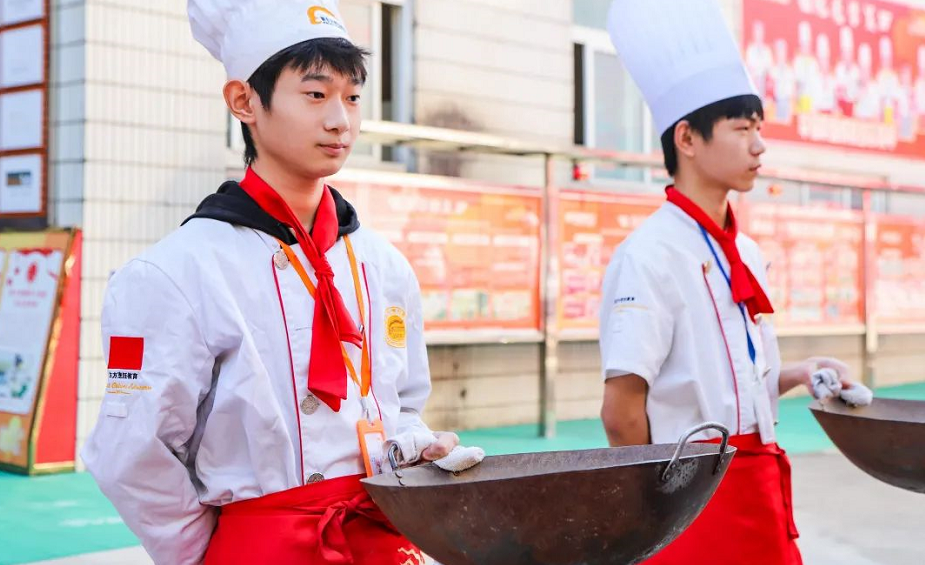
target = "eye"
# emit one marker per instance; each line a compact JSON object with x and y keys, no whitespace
{"x":315,"y":95}
{"x":355,"y":98}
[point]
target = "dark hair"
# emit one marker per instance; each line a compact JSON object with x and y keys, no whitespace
{"x":337,"y":55}
{"x":703,"y":120}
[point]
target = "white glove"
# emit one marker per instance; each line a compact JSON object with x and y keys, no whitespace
{"x":857,"y":395}
{"x":411,"y":446}
{"x":461,"y":458}
{"x":826,"y":385}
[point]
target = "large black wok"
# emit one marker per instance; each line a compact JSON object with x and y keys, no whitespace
{"x":885,"y":439}
{"x":590,"y":507}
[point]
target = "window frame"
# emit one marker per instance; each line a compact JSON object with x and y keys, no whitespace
{"x":594,"y":41}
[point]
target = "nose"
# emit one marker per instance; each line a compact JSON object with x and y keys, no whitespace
{"x":336,"y":119}
{"x":758,"y":147}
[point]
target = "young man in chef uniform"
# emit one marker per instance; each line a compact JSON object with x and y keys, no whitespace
{"x":683,"y":340}
{"x":260,"y":355}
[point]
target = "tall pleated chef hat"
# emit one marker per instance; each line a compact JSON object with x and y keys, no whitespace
{"x":243,"y":34}
{"x":680,"y":53}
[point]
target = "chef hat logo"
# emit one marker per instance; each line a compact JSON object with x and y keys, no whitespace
{"x":320,"y":15}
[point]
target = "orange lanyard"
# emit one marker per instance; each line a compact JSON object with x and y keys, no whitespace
{"x":365,"y":369}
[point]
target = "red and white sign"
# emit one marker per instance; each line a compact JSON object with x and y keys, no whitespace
{"x":849,"y":73}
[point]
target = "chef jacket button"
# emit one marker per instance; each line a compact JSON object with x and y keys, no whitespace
{"x":310,"y":404}
{"x":280,"y":259}
{"x":315,"y":478}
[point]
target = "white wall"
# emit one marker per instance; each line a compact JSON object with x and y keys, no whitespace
{"x":141,"y":140}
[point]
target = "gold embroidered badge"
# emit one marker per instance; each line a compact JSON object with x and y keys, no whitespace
{"x":395,"y":333}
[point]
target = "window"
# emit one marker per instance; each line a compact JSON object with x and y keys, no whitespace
{"x":382,"y":26}
{"x":610,"y":112}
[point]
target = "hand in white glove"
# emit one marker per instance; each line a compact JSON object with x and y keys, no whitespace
{"x":826,"y":384}
{"x":440,"y":447}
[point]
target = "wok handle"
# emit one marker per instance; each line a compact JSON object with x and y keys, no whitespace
{"x":687,"y":435}
{"x":393,"y":456}
{"x":393,"y":462}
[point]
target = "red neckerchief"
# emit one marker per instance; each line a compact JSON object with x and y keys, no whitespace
{"x":745,"y":287}
{"x":332,"y":323}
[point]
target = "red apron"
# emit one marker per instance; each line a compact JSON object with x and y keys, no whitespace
{"x":748,"y":520}
{"x":330,"y":522}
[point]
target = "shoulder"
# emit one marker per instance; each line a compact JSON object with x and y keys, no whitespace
{"x":656,"y":242}
{"x":186,"y":256}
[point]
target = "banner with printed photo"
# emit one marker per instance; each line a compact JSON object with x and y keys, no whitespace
{"x":846,"y":73}
{"x":31,"y":268}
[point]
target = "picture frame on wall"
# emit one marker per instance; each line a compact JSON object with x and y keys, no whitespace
{"x":21,"y":184}
{"x":18,"y":11}
{"x":22,"y":56}
{"x":21,"y":120}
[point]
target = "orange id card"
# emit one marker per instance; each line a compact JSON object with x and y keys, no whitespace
{"x":372,"y":441}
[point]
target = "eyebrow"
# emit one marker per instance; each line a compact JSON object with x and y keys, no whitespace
{"x":317,"y":76}
{"x":321,"y":77}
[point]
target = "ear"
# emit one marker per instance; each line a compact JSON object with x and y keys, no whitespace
{"x":239,"y":98}
{"x":684,"y":138}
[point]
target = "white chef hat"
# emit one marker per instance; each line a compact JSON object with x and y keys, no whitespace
{"x":680,"y":53}
{"x":243,"y":34}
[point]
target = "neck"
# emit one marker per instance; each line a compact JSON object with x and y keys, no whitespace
{"x":303,"y":195}
{"x":710,"y":197}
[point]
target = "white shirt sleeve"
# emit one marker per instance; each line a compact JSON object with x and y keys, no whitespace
{"x":636,"y":319}
{"x":414,"y":389}
{"x":138,"y":450}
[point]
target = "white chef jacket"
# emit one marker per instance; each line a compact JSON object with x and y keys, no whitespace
{"x":658,"y":321}
{"x":213,"y":416}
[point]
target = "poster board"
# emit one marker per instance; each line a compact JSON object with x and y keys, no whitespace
{"x":39,"y":347}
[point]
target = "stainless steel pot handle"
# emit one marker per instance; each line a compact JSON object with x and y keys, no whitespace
{"x":687,"y":435}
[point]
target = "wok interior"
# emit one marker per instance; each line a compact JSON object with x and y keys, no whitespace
{"x":883,"y":409}
{"x":536,"y":464}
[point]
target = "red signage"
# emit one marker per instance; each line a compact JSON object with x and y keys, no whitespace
{"x":900,"y":292}
{"x":475,"y":251}
{"x":591,"y":226}
{"x":815,"y":262}
{"x":848,"y":73}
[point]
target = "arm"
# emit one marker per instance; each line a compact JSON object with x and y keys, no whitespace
{"x":624,"y":411}
{"x":137,"y":451}
{"x":793,"y":375}
{"x":635,"y":338}
{"x":414,"y":390}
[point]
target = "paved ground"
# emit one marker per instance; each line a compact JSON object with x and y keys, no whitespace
{"x":845,"y":517}
{"x":848,"y":518}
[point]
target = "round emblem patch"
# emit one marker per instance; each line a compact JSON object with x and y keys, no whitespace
{"x":395,"y":334}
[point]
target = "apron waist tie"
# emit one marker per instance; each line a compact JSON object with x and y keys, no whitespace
{"x":334,"y":502}
{"x":331,"y":539}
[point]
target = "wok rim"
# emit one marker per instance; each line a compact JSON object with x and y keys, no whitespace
{"x":388,"y":480}
{"x":844,"y":411}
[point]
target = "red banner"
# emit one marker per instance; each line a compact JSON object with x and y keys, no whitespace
{"x":848,"y":73}
{"x":591,"y":225}
{"x":900,"y":292}
{"x":475,"y":251}
{"x":815,"y":262}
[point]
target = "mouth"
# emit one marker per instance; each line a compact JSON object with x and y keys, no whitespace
{"x":755,"y":169}
{"x":334,"y":149}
